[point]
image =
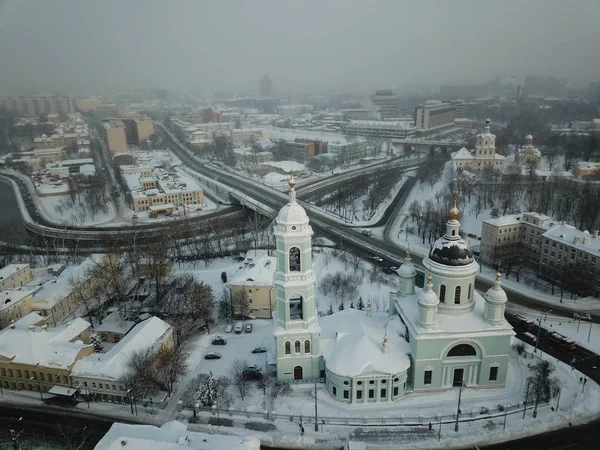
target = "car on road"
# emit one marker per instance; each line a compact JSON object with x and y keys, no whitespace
{"x":248,"y":328}
{"x":229,"y":328}
{"x":219,"y":341}
{"x":212,"y":355}
{"x":252,"y":373}
{"x":238,"y":328}
{"x":582,"y":316}
{"x":258,"y":350}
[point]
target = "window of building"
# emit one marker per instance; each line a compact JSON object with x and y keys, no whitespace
{"x":294,"y":259}
{"x":457,"y":295}
{"x":359,"y":383}
{"x":295,"y":307}
{"x":18,"y":373}
{"x":427,"y":377}
{"x":371,"y":393}
{"x":383,"y":393}
{"x":307,"y":346}
{"x":297,"y":347}
{"x":288,"y":348}
{"x":34,"y":375}
{"x":346,"y":394}
{"x":334,"y":391}
{"x":100,"y":386}
{"x":3,"y":372}
{"x":493,"y":373}
{"x":395,"y":391}
{"x":27,"y":374}
{"x":65,"y":379}
{"x":94,"y":385}
{"x":442,"y":293}
{"x":114,"y":387}
{"x":359,"y":395}
{"x":470,"y":290}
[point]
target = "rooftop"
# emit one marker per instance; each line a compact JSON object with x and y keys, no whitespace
{"x":10,"y":297}
{"x":259,"y":272}
{"x":112,"y":364}
{"x":114,"y":323}
{"x":574,"y":238}
{"x":10,"y":270}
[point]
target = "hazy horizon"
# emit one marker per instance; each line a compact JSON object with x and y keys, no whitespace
{"x":87,"y":47}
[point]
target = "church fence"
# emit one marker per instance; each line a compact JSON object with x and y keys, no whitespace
{"x":484,"y":413}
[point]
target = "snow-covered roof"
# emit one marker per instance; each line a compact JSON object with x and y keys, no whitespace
{"x":58,"y":288}
{"x":258,"y":273}
{"x":463,"y":153}
{"x":352,"y":343}
{"x":12,"y":296}
{"x":112,"y":364}
{"x":10,"y":270}
{"x":170,"y":436}
{"x":471,"y":324}
{"x":52,"y":347}
{"x":114,"y":323}
{"x":571,"y":236}
{"x":27,"y":320}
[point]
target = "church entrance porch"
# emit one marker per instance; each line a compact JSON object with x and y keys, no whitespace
{"x":458,"y":377}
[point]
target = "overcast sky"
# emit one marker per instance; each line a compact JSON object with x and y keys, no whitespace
{"x":85,"y":46}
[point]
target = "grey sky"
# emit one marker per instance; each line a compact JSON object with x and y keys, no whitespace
{"x":80,"y":46}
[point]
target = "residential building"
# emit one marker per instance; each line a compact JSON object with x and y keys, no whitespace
{"x":433,"y":339}
{"x":434,"y":115}
{"x":58,"y":297}
{"x":245,"y":136}
{"x":137,"y":129}
{"x":483,"y":156}
{"x":254,"y":285}
{"x":294,"y":110}
{"x":528,"y":153}
{"x":87,"y":104}
{"x":114,"y":328}
{"x":114,"y":135}
{"x":266,"y":86}
{"x":39,"y":105}
{"x":465,"y":124}
{"x":586,"y":169}
{"x":15,"y":304}
{"x":387,"y":104}
{"x":35,"y":358}
{"x":245,"y":156}
{"x":314,"y":147}
{"x":14,"y":276}
{"x":101,"y":374}
{"x":183,"y":129}
{"x":160,"y":189}
{"x":348,"y":151}
{"x":107,"y":111}
{"x":395,"y":129}
{"x":170,"y":436}
{"x":544,"y":243}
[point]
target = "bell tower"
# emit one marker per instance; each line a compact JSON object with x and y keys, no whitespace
{"x":296,"y":328}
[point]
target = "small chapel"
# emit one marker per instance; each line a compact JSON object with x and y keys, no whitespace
{"x":431,"y":339}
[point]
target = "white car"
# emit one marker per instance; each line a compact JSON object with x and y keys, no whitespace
{"x":229,"y":328}
{"x":378,"y":258}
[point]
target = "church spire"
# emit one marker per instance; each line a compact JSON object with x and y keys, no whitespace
{"x":453,"y":225}
{"x":292,"y":185}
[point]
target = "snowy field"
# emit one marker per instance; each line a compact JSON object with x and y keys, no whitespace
{"x":53,"y":209}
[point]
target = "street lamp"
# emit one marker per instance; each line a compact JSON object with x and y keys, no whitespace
{"x":458,"y":407}
{"x":505,"y":414}
{"x":537,"y":340}
{"x":130,"y":399}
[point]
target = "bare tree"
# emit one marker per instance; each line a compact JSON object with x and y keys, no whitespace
{"x":171,"y":364}
{"x":237,"y":377}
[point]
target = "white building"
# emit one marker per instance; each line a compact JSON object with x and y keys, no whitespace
{"x":434,"y":115}
{"x":436,"y":338}
{"x":294,"y":110}
{"x":528,"y":153}
{"x":170,"y":436}
{"x":393,"y":129}
{"x":483,"y":156}
{"x":245,"y":136}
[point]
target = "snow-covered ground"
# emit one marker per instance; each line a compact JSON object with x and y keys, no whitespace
{"x":56,"y":210}
{"x":286,"y":165}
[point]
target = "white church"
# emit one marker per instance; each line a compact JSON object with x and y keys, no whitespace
{"x":434,"y":338}
{"x":483,"y":156}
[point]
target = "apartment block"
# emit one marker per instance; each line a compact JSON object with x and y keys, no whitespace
{"x":387,"y":104}
{"x":434,"y":115}
{"x":137,"y":129}
{"x":39,"y":105}
{"x":254,"y":284}
{"x":115,"y":136}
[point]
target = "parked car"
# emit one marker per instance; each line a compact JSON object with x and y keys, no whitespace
{"x":238,"y":328}
{"x":522,"y":323}
{"x":252,"y":373}
{"x":229,"y":328}
{"x":219,"y":341}
{"x":248,"y":328}
{"x":378,"y":258}
{"x":212,"y":355}
{"x":582,"y":316}
{"x":258,"y":350}
{"x":367,"y":232}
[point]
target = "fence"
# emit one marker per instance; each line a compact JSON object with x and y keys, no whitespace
{"x":401,"y":420}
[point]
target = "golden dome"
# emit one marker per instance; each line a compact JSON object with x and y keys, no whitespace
{"x":498,"y":276}
{"x":429,"y":279}
{"x":408,"y":253}
{"x":454,"y":212}
{"x":292,"y":182}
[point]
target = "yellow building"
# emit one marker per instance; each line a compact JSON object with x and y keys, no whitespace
{"x":252,"y":287}
{"x":584,"y":169}
{"x":101,"y":374}
{"x":15,"y":276}
{"x":14,"y":305}
{"x":114,"y":328}
{"x":37,"y":358}
{"x":114,"y":135}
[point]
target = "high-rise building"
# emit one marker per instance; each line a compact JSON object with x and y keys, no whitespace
{"x":434,"y":115}
{"x":387,"y":104}
{"x":36,"y":106}
{"x":115,"y":137}
{"x":137,"y":129}
{"x":266,"y":86}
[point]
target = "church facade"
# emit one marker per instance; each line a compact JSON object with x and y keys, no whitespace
{"x":483,"y":156}
{"x":441,"y":336}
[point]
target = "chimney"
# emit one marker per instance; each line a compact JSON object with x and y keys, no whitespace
{"x":576,"y":240}
{"x":31,"y":328}
{"x":585,"y":240}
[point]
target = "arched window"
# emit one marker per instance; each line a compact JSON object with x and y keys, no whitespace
{"x":307,"y":346}
{"x":442,"y":293}
{"x":297,"y":347}
{"x":453,"y":232}
{"x":462,"y":350}
{"x":296,"y":307}
{"x":294,"y":259}
{"x":288,"y":348}
{"x":298,"y":373}
{"x":457,"y":295}
{"x":470,"y":291}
